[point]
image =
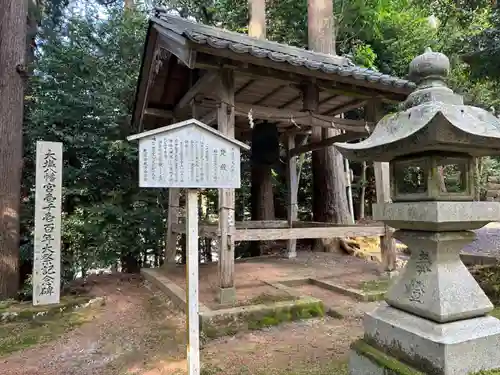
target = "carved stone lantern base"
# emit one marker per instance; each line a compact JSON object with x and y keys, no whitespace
{"x":435,"y":316}
{"x":435,"y":284}
{"x":397,"y":342}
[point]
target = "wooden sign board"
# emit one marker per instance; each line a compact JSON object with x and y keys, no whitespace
{"x":47,"y":242}
{"x":188,"y":154}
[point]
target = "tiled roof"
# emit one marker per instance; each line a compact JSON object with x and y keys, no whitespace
{"x":282,"y":53}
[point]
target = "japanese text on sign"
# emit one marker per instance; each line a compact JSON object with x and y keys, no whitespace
{"x":188,"y":157}
{"x":46,"y":272}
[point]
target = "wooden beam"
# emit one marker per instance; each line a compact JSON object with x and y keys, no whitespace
{"x":201,"y":84}
{"x":291,"y":101}
{"x":312,"y":232}
{"x":247,"y":84}
{"x":212,"y":229}
{"x":292,"y":190}
{"x":270,"y":94}
{"x":146,"y":77}
{"x":225,"y":119}
{"x":327,"y":99}
{"x":209,"y":117}
{"x":156,"y":112}
{"x":346,"y":107}
{"x":299,"y":117}
{"x":260,"y":229}
{"x":383,"y":190}
{"x":323,"y":143}
{"x":260,"y":68}
{"x":177,"y":45}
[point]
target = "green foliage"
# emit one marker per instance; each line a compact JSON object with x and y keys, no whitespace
{"x":82,"y":95}
{"x":21,"y":334}
{"x":83,"y":92}
{"x":483,"y":50}
{"x":488,"y":279}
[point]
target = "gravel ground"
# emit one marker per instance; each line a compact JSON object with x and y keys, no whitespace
{"x":122,"y":329}
{"x":138,"y":332}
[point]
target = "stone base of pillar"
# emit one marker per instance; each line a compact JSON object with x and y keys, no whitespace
{"x":227,"y":295}
{"x":456,"y":348}
{"x":390,"y":274}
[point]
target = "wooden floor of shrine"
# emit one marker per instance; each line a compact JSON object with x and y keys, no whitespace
{"x":251,"y":275}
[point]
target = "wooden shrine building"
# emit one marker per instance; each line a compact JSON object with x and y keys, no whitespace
{"x":219,"y":77}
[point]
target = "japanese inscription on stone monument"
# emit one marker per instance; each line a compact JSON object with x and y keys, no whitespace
{"x":47,"y":241}
{"x":189,"y":156}
{"x":415,"y":288}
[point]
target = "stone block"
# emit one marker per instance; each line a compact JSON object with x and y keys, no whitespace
{"x":457,"y":348}
{"x":437,"y":216}
{"x":435,"y":284}
{"x":227,"y":296}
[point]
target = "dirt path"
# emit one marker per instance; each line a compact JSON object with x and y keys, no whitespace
{"x":139,"y":332}
{"x":115,"y":335}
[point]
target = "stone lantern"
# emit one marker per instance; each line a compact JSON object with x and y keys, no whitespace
{"x":434,"y":319}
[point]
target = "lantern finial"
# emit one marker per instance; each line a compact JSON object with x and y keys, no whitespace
{"x":429,"y":66}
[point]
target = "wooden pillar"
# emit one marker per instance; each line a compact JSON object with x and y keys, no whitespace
{"x":225,"y":119}
{"x":292,"y":190}
{"x":172,"y":218}
{"x":373,"y":113}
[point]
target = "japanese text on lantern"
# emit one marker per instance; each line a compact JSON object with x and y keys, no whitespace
{"x":46,"y":272}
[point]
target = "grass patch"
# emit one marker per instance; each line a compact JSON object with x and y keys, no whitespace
{"x":496,"y":312}
{"x":268,"y":299}
{"x":330,"y":368}
{"x":18,"y":335}
{"x":26,"y":310}
{"x":374,"y":286}
{"x":488,"y":279}
{"x":228,"y":323}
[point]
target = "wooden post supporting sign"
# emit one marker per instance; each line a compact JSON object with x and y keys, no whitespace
{"x":193,"y":321}
{"x":193,"y":156}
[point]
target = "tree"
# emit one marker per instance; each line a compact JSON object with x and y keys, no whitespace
{"x":265,"y":141}
{"x":329,"y":196}
{"x":82,"y":94}
{"x":12,"y":71}
{"x":482,"y":51}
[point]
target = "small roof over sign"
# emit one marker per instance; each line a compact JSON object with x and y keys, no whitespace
{"x":182,"y":124}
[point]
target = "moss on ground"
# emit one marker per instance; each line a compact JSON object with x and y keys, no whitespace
{"x":383,"y":360}
{"x":267,"y":299}
{"x":18,"y":335}
{"x":26,"y":310}
{"x":487,"y":372}
{"x":496,"y":312}
{"x":374,"y":286}
{"x":272,"y":315}
{"x":330,"y":368}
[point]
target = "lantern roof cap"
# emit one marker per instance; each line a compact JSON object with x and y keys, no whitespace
{"x":433,"y":118}
{"x":429,"y":65}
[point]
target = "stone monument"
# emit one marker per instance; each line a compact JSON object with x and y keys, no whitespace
{"x":435,"y":316}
